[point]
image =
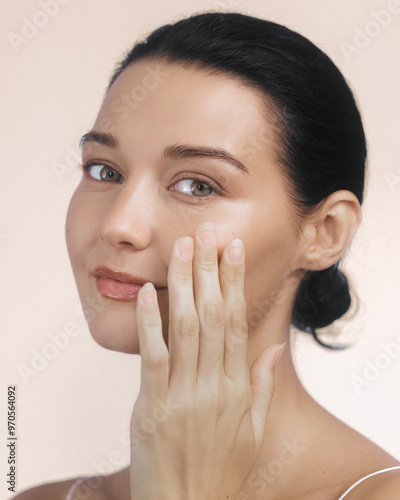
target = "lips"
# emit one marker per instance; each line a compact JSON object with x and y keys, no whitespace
{"x":119,"y":285}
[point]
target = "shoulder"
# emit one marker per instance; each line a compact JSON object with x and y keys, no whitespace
{"x":381,"y":486}
{"x":49,"y":491}
{"x":90,"y":488}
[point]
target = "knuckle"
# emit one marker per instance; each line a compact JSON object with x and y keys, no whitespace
{"x":233,"y":277}
{"x":187,"y":325}
{"x":237,"y":322}
{"x":183,"y":277}
{"x":155,"y":358}
{"x":214,"y":313}
{"x":150,"y":322}
{"x":231,"y":343}
{"x":207,"y":265}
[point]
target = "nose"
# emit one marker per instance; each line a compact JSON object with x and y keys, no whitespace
{"x":127,"y":220}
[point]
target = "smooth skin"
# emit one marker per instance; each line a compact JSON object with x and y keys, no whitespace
{"x":287,"y":447}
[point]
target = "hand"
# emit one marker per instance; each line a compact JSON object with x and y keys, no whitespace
{"x":200,"y":412}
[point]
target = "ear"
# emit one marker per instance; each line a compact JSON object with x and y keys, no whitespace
{"x":328,"y":233}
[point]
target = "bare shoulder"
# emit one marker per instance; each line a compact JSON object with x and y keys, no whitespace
{"x":90,"y":488}
{"x":385,"y":486}
{"x":49,"y":491}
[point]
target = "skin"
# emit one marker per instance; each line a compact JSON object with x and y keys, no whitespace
{"x":137,"y":225}
{"x":146,"y":215}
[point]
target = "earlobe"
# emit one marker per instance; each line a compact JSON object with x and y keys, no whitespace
{"x":330,"y":231}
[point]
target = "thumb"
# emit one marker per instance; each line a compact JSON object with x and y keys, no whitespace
{"x":262,"y":383}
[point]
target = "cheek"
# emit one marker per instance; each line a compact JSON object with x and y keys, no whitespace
{"x":79,"y":228}
{"x":268,"y":252}
{"x":269,"y":263}
{"x":71,"y":232}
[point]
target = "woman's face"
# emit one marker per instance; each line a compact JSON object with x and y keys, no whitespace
{"x":174,"y":148}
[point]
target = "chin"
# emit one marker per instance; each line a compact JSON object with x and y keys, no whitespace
{"x":115,"y":329}
{"x":113,"y":324}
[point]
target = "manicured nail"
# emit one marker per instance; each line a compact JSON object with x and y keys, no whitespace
{"x":185,"y":248}
{"x":278,"y":354}
{"x":236,"y":251}
{"x":207,"y":234}
{"x":148,"y":294}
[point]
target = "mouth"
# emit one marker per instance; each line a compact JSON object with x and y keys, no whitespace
{"x":120,"y":285}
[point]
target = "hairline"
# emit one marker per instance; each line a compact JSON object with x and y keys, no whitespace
{"x":273,"y":114}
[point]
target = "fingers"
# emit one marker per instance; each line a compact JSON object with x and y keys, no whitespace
{"x":262,"y":382}
{"x":153,"y":351}
{"x":207,"y":334}
{"x":207,"y":338}
{"x":198,"y":308}
{"x":183,"y":333}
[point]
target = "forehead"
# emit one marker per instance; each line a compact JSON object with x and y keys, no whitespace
{"x":162,"y":104}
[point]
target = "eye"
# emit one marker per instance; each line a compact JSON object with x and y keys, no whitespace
{"x":196,"y":187}
{"x":102,"y":172}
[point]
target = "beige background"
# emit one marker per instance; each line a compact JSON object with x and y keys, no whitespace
{"x":73,"y":414}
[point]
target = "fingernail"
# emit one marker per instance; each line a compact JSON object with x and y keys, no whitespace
{"x":207,"y":234}
{"x":185,"y":248}
{"x":148,"y":294}
{"x":236,"y":251}
{"x":278,"y":354}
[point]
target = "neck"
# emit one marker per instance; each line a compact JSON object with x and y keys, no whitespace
{"x":290,"y":435}
{"x":290,"y":431}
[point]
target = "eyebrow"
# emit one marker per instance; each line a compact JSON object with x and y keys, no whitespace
{"x":183,"y":151}
{"x":174,"y":151}
{"x":99,"y":137}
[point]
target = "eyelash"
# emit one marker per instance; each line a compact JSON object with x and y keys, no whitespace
{"x":92,"y":163}
{"x":216,"y":191}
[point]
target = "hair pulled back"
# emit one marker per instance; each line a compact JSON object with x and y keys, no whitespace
{"x":320,"y":133}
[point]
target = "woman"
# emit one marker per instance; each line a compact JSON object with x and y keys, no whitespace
{"x":225,"y":167}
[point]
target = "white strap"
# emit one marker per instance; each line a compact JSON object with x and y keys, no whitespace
{"x":81,"y":479}
{"x":366,"y":477}
{"x":74,"y":485}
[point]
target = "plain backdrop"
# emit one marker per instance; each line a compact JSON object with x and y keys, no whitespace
{"x":74,"y":409}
